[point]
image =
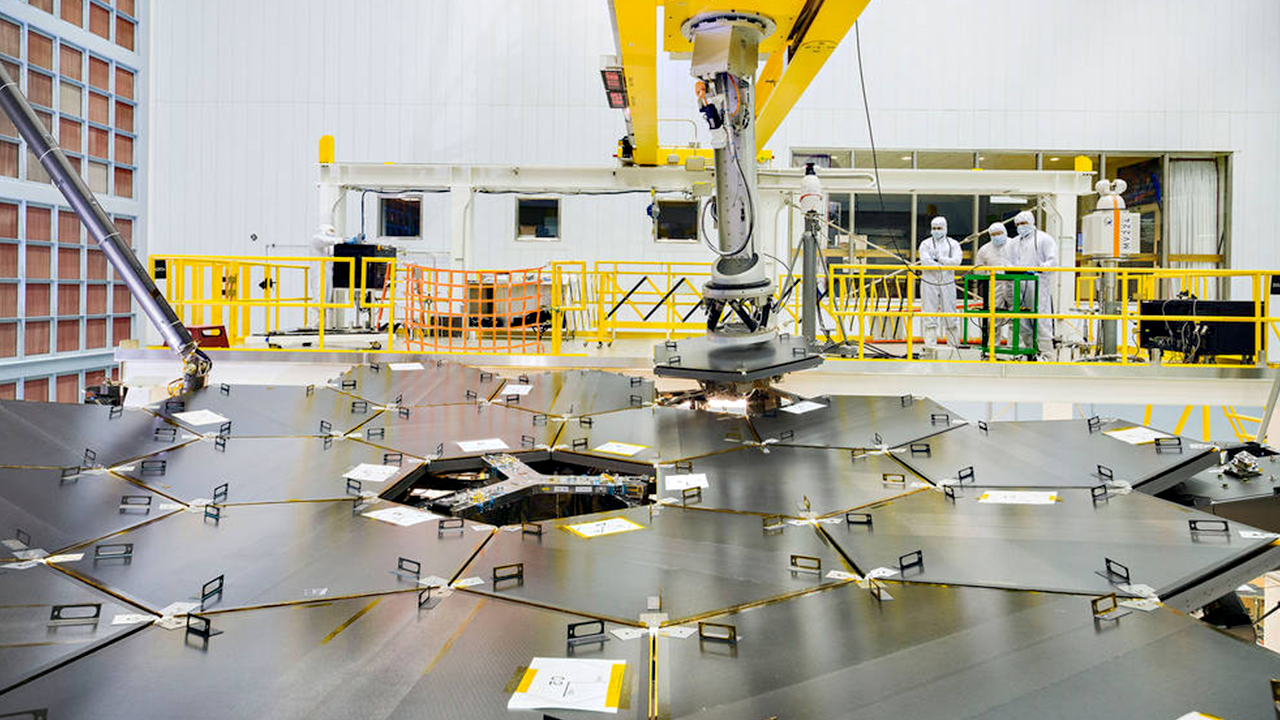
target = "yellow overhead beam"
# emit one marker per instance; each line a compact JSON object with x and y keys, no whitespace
{"x":768,"y":77}
{"x":636,"y":27}
{"x":829,"y":26}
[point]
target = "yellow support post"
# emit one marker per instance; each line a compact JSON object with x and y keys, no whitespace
{"x":636,"y":27}
{"x":829,"y":26}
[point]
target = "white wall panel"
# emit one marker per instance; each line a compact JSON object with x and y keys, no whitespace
{"x":244,"y":88}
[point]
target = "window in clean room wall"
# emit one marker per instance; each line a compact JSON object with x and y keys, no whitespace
{"x":45,"y":5}
{"x":99,"y":142}
{"x":887,"y":225}
{"x":124,"y":83}
{"x":35,"y":389}
{"x":126,"y":7}
{"x":39,"y":88}
{"x":124,"y":182}
{"x":988,"y":160}
{"x":124,"y":33}
{"x":538,"y":219}
{"x":98,"y":177}
{"x":8,"y":158}
{"x":36,"y":338}
{"x":70,"y":62}
{"x":68,"y":263}
{"x":37,"y":267}
{"x":100,"y":73}
{"x":890,"y":159}
{"x":9,"y":390}
{"x":124,"y":116}
{"x":68,"y":227}
{"x":69,"y":134}
{"x":95,"y":333}
{"x":68,"y":388}
{"x":8,"y":341}
{"x":73,"y":12}
{"x":99,"y":108}
{"x":124,"y":149}
{"x":8,"y":300}
{"x":40,"y":50}
{"x":10,"y":40}
{"x":121,"y":328}
{"x":9,"y":220}
{"x":398,"y":217}
{"x":677,"y":221}
{"x":957,"y":209}
{"x":70,"y":99}
{"x":68,"y":299}
{"x":68,"y":335}
{"x":944,"y":160}
{"x":100,"y":20}
{"x":38,"y":302}
{"x":39,"y":223}
{"x":95,"y":299}
{"x":822,"y":158}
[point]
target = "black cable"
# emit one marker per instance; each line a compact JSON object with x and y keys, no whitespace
{"x":875,"y":162}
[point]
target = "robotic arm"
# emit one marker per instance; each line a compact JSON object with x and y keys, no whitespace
{"x":739,"y":296}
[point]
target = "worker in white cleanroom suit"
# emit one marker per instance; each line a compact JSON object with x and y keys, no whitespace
{"x":938,"y":287}
{"x":1036,"y":249}
{"x":322,"y":245}
{"x":997,"y":253}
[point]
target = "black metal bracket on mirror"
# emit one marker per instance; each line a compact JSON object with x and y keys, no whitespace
{"x":75,"y":614}
{"x":1207,"y":525}
{"x":212,"y":589}
{"x":407,"y":567}
{"x":805,"y":564}
{"x":511,"y":572}
{"x":1094,"y":424}
{"x":920,"y":449}
{"x":858,"y":518}
{"x":915,"y":558}
{"x":113,"y":551}
{"x":135,"y":503}
{"x":1114,"y":572}
{"x":718,"y":632}
{"x":587,"y":631}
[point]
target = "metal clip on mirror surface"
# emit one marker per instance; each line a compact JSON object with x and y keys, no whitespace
{"x":718,"y":632}
{"x":509,"y":572}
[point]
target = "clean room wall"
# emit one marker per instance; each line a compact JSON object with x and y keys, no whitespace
{"x":243,"y":89}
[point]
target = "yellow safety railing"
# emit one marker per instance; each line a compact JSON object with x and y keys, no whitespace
{"x":261,"y":296}
{"x":862,"y":286}
{"x":874,"y":309}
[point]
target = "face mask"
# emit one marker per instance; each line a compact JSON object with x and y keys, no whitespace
{"x":938,"y":234}
{"x":999,"y":240}
{"x":1026,"y":230}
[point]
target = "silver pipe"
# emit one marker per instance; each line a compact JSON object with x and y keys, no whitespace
{"x":196,"y":364}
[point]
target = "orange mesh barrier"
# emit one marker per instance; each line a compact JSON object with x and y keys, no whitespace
{"x":505,"y":311}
